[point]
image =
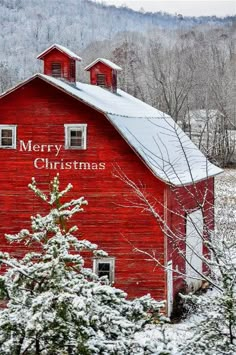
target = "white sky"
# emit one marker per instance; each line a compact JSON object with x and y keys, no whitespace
{"x":219,"y":8}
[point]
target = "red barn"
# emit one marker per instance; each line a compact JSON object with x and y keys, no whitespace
{"x":147,"y":185}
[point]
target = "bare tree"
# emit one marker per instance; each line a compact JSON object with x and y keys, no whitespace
{"x":219,"y":256}
{"x":170,"y":76}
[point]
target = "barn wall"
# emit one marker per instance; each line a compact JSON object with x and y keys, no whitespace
{"x":182,"y":201}
{"x":40,"y":112}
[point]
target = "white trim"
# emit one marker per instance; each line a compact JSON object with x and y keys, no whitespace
{"x":13,"y":129}
{"x":169,"y":281}
{"x":166,"y":240}
{"x":110,"y":261}
{"x":76,"y":127}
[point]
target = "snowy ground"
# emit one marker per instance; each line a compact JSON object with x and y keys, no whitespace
{"x":225,"y":204}
{"x":225,"y":219}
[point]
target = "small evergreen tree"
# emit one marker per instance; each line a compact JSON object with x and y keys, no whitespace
{"x":54,"y":305}
{"x":214,"y":331}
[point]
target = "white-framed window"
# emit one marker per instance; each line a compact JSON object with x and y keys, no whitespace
{"x":105,"y":267}
{"x":75,"y":136}
{"x":8,"y":136}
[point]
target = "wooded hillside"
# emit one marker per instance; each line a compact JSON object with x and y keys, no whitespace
{"x":176,"y":64}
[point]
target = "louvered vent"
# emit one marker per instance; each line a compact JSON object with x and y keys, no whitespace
{"x":56,"y":70}
{"x":101,"y":80}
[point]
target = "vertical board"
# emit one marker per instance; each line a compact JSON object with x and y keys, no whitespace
{"x":194,"y":249}
{"x":169,"y":288}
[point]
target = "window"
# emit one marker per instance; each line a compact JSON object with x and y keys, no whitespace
{"x":101,"y":80}
{"x":105,"y":267}
{"x":7,"y":136}
{"x":75,"y":136}
{"x":56,"y":70}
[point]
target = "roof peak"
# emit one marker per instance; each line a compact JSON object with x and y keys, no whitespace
{"x":107,"y":62}
{"x":61,"y":49}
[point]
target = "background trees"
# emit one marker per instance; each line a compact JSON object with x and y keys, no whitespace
{"x":176,"y":66}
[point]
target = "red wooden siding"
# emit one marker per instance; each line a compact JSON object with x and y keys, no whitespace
{"x":68,"y":65}
{"x":40,"y":112}
{"x":181,"y":201}
{"x":110,"y":75}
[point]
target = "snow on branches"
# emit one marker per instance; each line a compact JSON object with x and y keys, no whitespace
{"x":54,"y":305}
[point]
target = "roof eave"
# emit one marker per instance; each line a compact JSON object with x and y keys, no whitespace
{"x":196,"y":181}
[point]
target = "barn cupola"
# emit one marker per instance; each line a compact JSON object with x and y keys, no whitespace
{"x":104,"y":73}
{"x":59,"y":62}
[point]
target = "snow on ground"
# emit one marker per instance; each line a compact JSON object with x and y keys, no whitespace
{"x":225,"y":204}
{"x":225,"y":218}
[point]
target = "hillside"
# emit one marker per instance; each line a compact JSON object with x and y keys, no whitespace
{"x":178,"y":65}
{"x":29,"y":26}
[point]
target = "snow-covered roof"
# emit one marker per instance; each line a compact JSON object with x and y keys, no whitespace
{"x":104,"y":100}
{"x":104,"y":61}
{"x":165,"y":149}
{"x":61,"y":49}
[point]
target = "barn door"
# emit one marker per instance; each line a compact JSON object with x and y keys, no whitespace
{"x":194,"y":234}
{"x":169,"y":288}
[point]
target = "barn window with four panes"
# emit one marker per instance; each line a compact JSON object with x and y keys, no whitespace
{"x":75,"y":136}
{"x":8,"y":136}
{"x":105,"y":267}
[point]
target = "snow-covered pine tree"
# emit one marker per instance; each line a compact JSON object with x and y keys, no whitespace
{"x":214,"y":330}
{"x":54,"y":305}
